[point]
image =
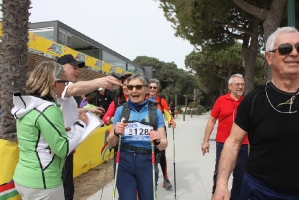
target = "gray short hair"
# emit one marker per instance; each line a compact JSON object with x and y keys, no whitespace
{"x":143,"y":79}
{"x":153,"y":80}
{"x":272,"y":37}
{"x":230,"y":81}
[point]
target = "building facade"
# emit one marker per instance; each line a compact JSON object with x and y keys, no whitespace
{"x":67,"y":36}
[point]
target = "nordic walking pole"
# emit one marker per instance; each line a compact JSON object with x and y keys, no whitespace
{"x":106,"y":172}
{"x":117,"y":162}
{"x":153,"y":166}
{"x":174,"y":163}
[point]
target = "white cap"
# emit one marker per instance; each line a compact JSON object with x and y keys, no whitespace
{"x":100,"y":89}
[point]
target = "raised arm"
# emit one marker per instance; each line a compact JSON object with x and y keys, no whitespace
{"x":84,"y":87}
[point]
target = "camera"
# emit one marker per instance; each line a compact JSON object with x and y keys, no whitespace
{"x":118,"y":76}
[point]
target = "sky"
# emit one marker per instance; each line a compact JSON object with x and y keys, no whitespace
{"x":129,"y":27}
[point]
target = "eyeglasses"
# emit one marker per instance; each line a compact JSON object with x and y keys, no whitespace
{"x":66,"y":82}
{"x":138,"y":87}
{"x":153,"y":87}
{"x":239,"y":84}
{"x":285,"y":49}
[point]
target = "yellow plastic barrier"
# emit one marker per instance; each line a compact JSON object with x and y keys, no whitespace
{"x":9,"y":154}
{"x":92,"y":152}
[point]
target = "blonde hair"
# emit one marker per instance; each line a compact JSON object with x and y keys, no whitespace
{"x":42,"y":79}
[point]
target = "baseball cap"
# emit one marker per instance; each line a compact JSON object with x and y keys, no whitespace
{"x":68,"y":58}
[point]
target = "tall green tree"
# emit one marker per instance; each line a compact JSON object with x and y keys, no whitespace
{"x":13,"y":60}
{"x":173,"y":81}
{"x":219,"y":23}
{"x":215,"y":67}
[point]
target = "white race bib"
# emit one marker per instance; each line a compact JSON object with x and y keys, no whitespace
{"x":136,"y":131}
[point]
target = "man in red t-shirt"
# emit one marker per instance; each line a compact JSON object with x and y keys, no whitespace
{"x":224,"y":111}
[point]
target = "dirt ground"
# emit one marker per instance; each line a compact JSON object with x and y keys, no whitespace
{"x":91,"y":181}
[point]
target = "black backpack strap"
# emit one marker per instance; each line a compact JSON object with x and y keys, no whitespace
{"x":119,"y":101}
{"x":125,"y":112}
{"x":152,"y":108}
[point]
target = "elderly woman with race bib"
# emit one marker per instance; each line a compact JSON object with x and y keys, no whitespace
{"x":135,"y":164}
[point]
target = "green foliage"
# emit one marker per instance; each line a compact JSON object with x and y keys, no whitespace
{"x":173,"y":80}
{"x":217,"y":24}
{"x":214,"y":67}
{"x":259,"y":72}
{"x":196,"y":108}
{"x":204,"y":22}
{"x":200,"y":109}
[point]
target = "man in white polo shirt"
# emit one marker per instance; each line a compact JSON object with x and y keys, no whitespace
{"x":70,"y":109}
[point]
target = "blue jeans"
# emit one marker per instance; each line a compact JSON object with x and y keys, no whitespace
{"x":135,"y":173}
{"x":252,"y":189}
{"x":238,"y":171}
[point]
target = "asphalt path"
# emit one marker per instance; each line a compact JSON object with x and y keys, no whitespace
{"x":194,"y":172}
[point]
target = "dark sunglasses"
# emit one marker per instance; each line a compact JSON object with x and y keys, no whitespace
{"x":138,"y":87}
{"x":286,"y":49}
{"x":152,"y":87}
{"x":66,"y":82}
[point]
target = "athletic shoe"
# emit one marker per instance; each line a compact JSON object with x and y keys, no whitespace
{"x":166,"y":183}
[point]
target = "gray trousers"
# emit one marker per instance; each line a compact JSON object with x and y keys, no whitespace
{"x":40,"y":194}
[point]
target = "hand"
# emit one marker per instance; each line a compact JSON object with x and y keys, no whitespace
{"x":221,"y":193}
{"x":109,"y":82}
{"x":83,"y":117}
{"x":205,"y":147}
{"x":120,"y":128}
{"x":173,"y":124}
{"x":155,"y":135}
{"x":67,"y":128}
{"x":97,"y":110}
{"x":111,"y":119}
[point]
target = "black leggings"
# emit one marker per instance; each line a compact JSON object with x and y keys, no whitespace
{"x":163,"y":160}
{"x":67,"y":177}
{"x":163,"y":164}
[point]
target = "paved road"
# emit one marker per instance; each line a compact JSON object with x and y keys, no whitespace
{"x":194,"y":171}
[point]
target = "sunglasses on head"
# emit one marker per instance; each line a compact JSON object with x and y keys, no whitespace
{"x":58,"y":71}
{"x":152,"y":87}
{"x":138,"y":87}
{"x":285,"y":49}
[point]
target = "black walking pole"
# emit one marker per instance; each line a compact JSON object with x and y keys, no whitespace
{"x":174,"y":163}
{"x":104,"y":180}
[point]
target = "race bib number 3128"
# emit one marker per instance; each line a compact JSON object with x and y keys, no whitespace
{"x":136,"y":132}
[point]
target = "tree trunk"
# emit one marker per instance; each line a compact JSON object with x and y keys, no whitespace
{"x":13,"y":60}
{"x":271,"y":20}
{"x":186,"y":103}
{"x":270,"y":24}
{"x":222,"y":86}
{"x":250,"y":50}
